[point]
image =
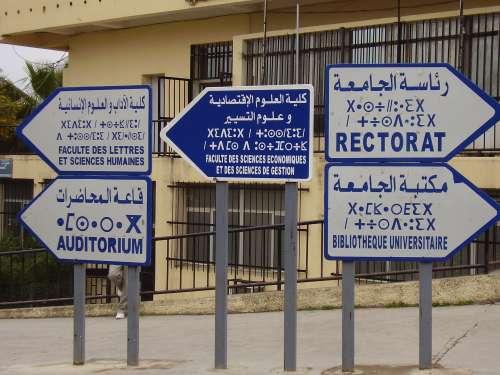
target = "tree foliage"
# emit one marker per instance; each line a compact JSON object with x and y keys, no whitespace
{"x":44,"y":79}
{"x":15,"y":104}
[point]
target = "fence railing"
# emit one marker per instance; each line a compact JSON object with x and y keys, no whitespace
{"x":34,"y":278}
{"x":161,"y":148}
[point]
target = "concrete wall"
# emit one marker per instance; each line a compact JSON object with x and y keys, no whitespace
{"x":451,"y":291}
{"x":53,"y":23}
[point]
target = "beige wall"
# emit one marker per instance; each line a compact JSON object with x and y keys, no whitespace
{"x":125,"y":56}
{"x":57,"y":15}
{"x":53,"y":23}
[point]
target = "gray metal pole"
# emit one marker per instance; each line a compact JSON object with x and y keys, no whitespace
{"x":221,"y":250}
{"x":290,"y":261}
{"x":425,"y":337}
{"x":263,"y":79}
{"x":461,"y":65}
{"x":297,"y":45}
{"x":290,"y":249}
{"x":347,"y":316}
{"x":133,"y":296}
{"x":79,"y":314}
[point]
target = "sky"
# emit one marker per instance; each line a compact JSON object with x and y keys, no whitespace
{"x":12,"y":61}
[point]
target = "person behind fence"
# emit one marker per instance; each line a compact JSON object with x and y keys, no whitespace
{"x":118,"y":275}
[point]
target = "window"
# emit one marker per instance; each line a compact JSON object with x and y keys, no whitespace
{"x":211,"y":65}
{"x":250,"y":205}
{"x":423,"y":41}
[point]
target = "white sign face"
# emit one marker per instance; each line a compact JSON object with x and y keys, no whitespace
{"x":93,"y":130}
{"x":94,"y":220}
{"x":401,"y":211}
{"x":426,"y":112}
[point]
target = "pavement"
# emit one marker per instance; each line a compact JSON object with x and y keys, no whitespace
{"x":466,"y":340}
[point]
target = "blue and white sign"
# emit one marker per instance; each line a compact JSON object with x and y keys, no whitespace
{"x":417,"y":112}
{"x":5,"y":168}
{"x":98,"y":130}
{"x":94,"y":220}
{"x":239,"y":133}
{"x":401,"y":211}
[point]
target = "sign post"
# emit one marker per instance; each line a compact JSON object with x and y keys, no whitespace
{"x":133,"y":296}
{"x":425,"y":316}
{"x":347,"y":316}
{"x":79,"y":314}
{"x":257,"y":133}
{"x":221,"y":256}
{"x":290,"y":262}
{"x":388,"y":194}
{"x":99,"y":211}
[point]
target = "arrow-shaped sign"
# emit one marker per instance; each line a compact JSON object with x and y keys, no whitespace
{"x":94,"y":220}
{"x":98,"y":130}
{"x":417,"y":112}
{"x":400,"y":211}
{"x":257,"y":133}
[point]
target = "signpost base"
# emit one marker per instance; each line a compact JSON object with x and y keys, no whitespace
{"x":79,"y":314}
{"x":133,"y":316}
{"x":290,"y":297}
{"x":221,"y":246}
{"x":347,"y":316}
{"x":425,"y":315}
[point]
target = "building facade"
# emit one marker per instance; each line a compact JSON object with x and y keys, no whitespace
{"x":180,"y":47}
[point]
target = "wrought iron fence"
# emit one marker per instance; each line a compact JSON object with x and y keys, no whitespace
{"x":428,"y":41}
{"x":14,"y":195}
{"x":172,"y":95}
{"x":211,"y":64}
{"x":33,"y":278}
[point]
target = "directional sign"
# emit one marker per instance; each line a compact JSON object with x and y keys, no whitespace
{"x":238,"y":133}
{"x":94,"y":220}
{"x":5,"y":168}
{"x":401,"y":211}
{"x":418,"y":112}
{"x":103,"y":130}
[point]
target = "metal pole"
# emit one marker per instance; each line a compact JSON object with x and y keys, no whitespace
{"x":347,"y":316}
{"x":297,"y":26}
{"x":290,"y":259}
{"x":399,"y":32}
{"x":487,"y":251}
{"x":425,"y":315}
{"x":461,"y":63}
{"x":79,"y":314}
{"x":221,"y":250}
{"x":263,"y":80}
{"x":133,"y":316}
{"x":290,"y":250}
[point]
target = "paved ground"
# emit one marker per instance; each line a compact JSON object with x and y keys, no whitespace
{"x":465,"y":338}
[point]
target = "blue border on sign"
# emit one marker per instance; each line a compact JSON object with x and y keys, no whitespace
{"x":27,"y":121}
{"x":149,"y":223}
{"x":164,"y":134}
{"x":457,"y":177}
{"x":486,"y":98}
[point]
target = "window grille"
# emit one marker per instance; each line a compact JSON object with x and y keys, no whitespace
{"x":249,"y":205}
{"x":424,"y":41}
